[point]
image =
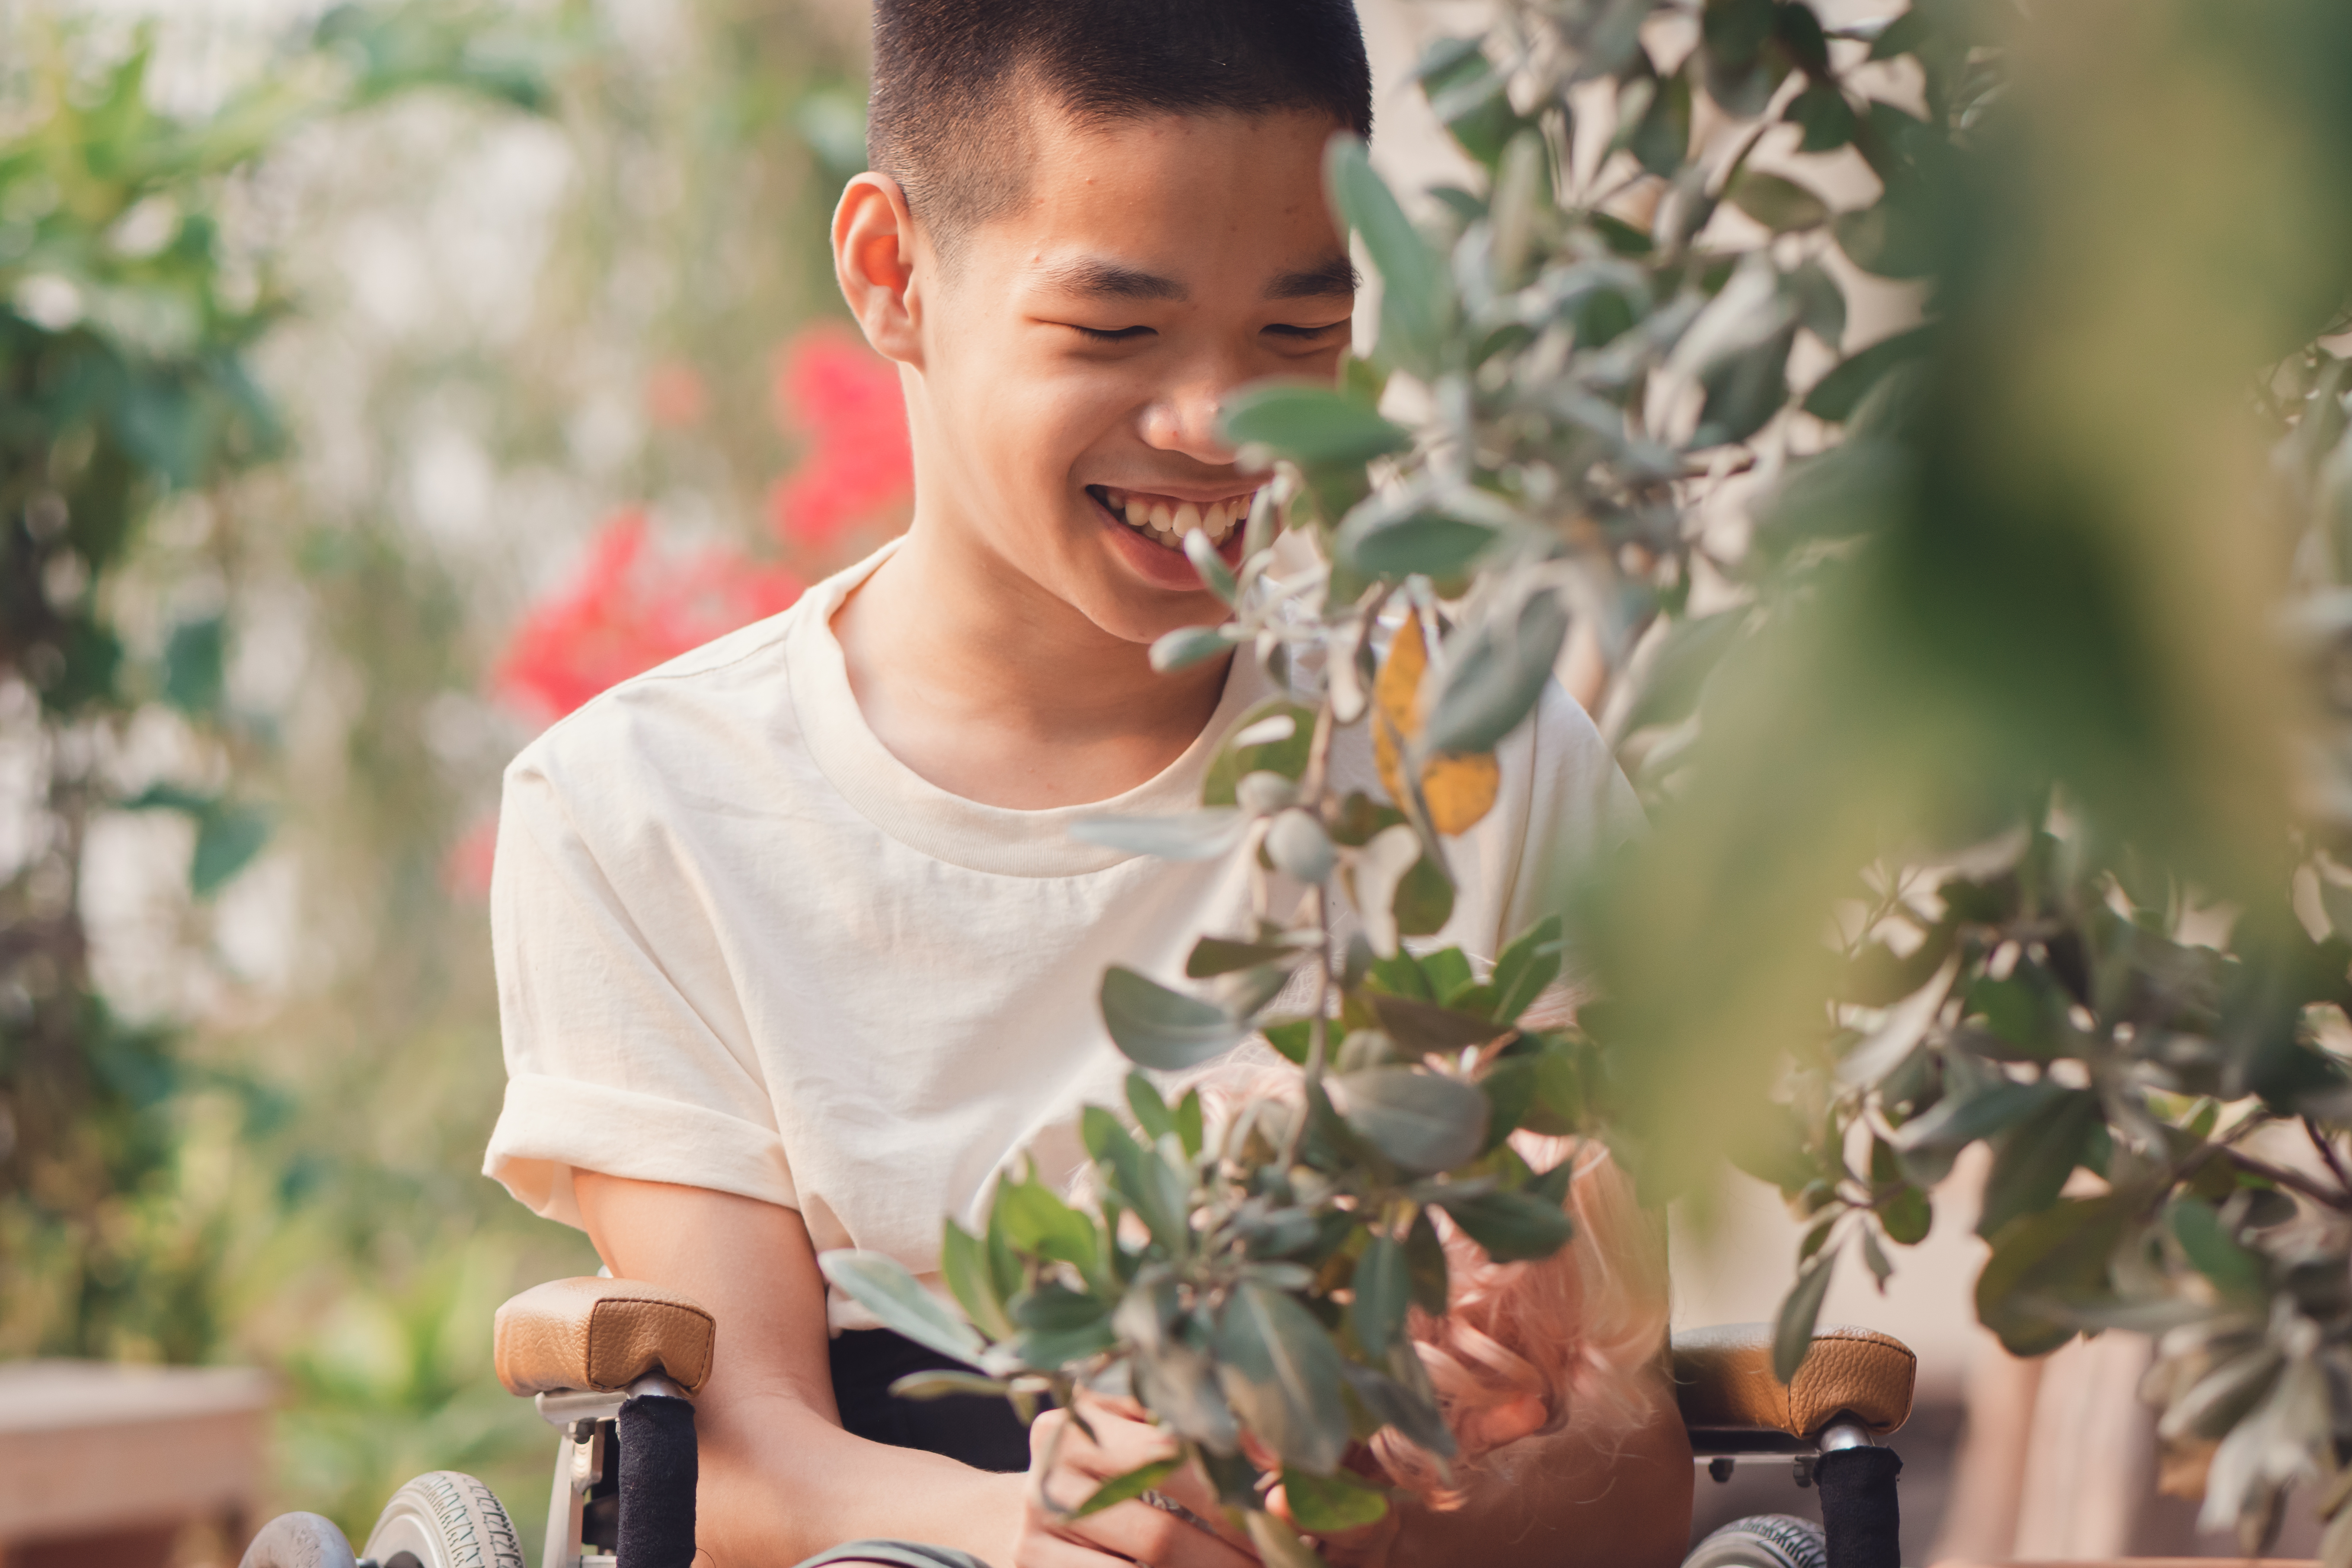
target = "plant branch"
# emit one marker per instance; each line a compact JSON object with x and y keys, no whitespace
{"x":2336,"y":1198}
{"x":2327,"y":1147}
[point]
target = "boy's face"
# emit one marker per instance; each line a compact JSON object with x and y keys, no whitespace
{"x":1075,"y":354}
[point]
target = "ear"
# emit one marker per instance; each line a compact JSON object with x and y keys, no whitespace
{"x":874,"y":260}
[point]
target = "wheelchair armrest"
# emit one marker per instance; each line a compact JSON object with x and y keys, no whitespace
{"x":1723,"y":1380}
{"x":599,"y":1336}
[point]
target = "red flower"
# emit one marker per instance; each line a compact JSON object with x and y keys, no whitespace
{"x":627,"y":612}
{"x":844,"y":400}
{"x":674,"y":396}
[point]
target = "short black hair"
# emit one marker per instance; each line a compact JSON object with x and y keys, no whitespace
{"x":945,"y":124}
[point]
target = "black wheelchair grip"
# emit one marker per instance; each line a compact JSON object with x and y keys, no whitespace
{"x":1859,"y":1514}
{"x":658,"y":1477}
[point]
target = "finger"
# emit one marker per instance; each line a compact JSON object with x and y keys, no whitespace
{"x":1191,"y":1488}
{"x":1120,"y":1405}
{"x":1039,"y":1549}
{"x":1140,"y":1531}
{"x":1121,"y":1442}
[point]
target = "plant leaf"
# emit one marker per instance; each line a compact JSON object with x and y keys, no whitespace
{"x":1780,"y":204}
{"x":1495,"y":676}
{"x":881,"y":1284}
{"x":1835,"y":396}
{"x":1793,"y":1329}
{"x":1409,"y":1407}
{"x":938,"y":1383}
{"x":1513,"y":1228}
{"x":1423,"y":1028}
{"x":1038,"y":1222}
{"x":1326,"y":1505}
{"x":1530,"y":965}
{"x":1281,"y":1372}
{"x":1415,"y":294}
{"x":1279,"y":1546}
{"x":1312,"y":423}
{"x":1128,"y":1487}
{"x":964,"y":1262}
{"x":1187,"y":646}
{"x":1195,"y":835}
{"x":1382,"y":1290}
{"x":1423,"y":1123}
{"x":1163,"y":1029}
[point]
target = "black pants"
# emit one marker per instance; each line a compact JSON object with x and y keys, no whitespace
{"x":979,"y":1430}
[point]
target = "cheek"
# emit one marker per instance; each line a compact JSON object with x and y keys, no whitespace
{"x":1063,"y":414}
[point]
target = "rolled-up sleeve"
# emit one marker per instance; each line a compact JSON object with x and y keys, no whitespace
{"x":625,"y":1043}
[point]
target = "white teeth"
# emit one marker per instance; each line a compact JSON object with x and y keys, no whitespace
{"x":1169,"y":524}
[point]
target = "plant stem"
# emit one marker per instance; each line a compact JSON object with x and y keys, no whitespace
{"x":2327,"y":1147}
{"x":2338,"y":1199}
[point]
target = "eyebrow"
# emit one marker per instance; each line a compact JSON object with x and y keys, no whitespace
{"x":1096,"y":278}
{"x":1327,"y":279}
{"x":1101,"y":279}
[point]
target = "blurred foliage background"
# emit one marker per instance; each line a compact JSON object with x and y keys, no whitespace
{"x":330,"y":340}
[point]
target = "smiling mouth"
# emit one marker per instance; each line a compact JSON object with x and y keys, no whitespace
{"x":1165,"y":520}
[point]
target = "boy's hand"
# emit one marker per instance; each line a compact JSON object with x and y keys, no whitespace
{"x":1065,"y":1466}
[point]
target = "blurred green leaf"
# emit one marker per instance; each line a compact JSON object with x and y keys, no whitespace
{"x":1326,"y":1505}
{"x":1779,"y":204}
{"x":881,"y":1284}
{"x":2213,"y":1251}
{"x":1421,"y":1122}
{"x":1130,"y":1485}
{"x":1162,"y":1029}
{"x":228,"y":839}
{"x":1793,"y":1327}
{"x":1037,"y":1221}
{"x":963,"y":1262}
{"x":1281,"y":1372}
{"x":1310,"y":422}
{"x":1836,"y":394}
{"x":1416,"y":301}
{"x":1382,"y":1287}
{"x":192,"y":665}
{"x":1493,"y":677}
{"x":2034,"y":1157}
{"x":1513,"y":1228}
{"x":2043,"y":1262}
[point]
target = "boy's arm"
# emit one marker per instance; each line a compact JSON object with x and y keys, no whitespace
{"x":780,"y":1479}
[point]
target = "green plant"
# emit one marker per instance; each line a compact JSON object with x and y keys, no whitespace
{"x":1947,"y":642}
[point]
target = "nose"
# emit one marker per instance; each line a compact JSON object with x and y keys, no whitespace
{"x":1184,"y":419}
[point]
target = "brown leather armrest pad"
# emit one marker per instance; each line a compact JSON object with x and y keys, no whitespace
{"x":600,"y":1336}
{"x":1723,"y":1378}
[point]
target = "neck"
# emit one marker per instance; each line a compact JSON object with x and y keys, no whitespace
{"x":993,"y":688}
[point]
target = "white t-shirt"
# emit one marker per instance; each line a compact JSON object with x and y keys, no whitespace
{"x":741,"y":946}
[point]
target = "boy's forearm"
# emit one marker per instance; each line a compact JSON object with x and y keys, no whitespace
{"x":779,"y":1482}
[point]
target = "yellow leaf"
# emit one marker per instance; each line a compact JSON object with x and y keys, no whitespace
{"x":1459,"y":790}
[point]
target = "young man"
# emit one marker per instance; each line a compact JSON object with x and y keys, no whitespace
{"x":796,"y":949}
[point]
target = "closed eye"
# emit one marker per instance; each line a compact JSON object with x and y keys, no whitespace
{"x":1287,"y":330}
{"x":1112,"y":334}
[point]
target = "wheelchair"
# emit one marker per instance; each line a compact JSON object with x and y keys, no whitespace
{"x":614,"y":1365}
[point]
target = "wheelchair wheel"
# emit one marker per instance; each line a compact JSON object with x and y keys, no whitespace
{"x":298,"y":1541}
{"x":1763,"y":1540}
{"x":444,"y":1520}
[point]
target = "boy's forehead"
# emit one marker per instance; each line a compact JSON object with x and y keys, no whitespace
{"x":1141,"y":207}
